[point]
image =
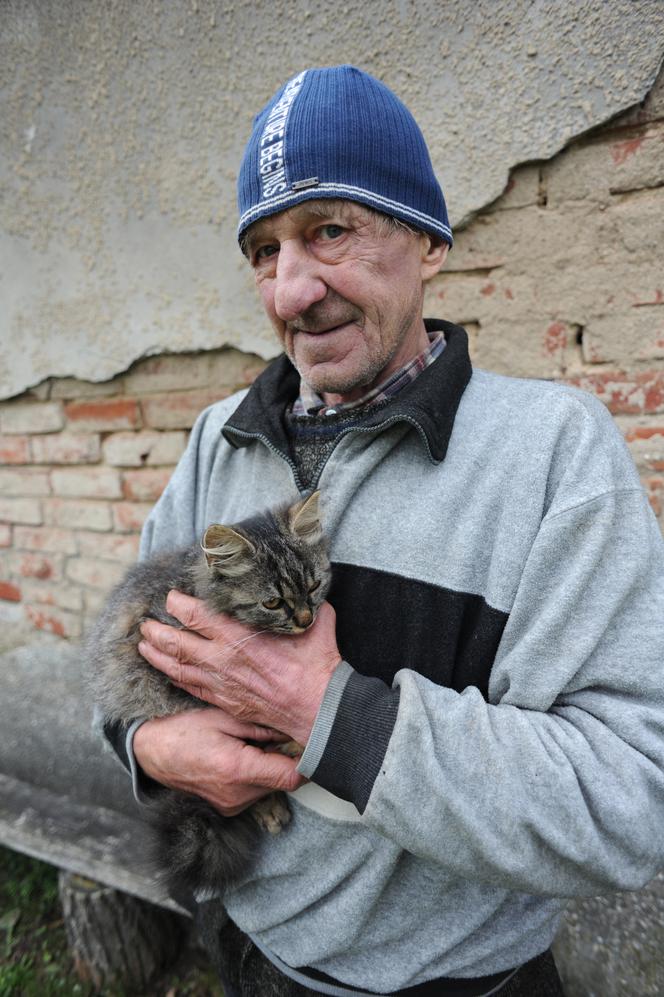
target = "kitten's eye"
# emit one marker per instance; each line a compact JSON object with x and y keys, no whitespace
{"x":316,"y":585}
{"x":272,"y":603}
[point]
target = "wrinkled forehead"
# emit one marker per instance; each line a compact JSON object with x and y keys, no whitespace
{"x":294,"y":219}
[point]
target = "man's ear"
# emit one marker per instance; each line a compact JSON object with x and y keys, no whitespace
{"x":434,"y":254}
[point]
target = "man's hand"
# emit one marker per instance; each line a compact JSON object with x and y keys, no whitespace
{"x":205,"y":752}
{"x":268,"y":679}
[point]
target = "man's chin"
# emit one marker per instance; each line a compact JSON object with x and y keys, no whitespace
{"x":333,"y":372}
{"x":335,"y":382}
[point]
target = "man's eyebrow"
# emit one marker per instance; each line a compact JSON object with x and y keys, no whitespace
{"x":249,"y":240}
{"x":258,"y":232}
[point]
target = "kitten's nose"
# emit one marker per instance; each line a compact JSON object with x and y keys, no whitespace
{"x":304,"y":618}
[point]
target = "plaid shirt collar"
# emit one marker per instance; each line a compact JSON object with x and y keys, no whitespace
{"x":309,"y":403}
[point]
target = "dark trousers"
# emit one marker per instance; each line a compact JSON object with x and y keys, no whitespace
{"x":245,"y":972}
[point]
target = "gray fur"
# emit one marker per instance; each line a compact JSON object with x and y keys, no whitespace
{"x":278,"y":555}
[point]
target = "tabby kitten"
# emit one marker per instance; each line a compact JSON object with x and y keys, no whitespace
{"x":271,"y":572}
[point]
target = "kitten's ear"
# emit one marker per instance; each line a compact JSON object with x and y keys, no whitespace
{"x":227,"y":550}
{"x":303,"y":519}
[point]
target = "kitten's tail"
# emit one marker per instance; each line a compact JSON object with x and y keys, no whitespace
{"x":201,"y":852}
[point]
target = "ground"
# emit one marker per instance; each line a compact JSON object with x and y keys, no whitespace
{"x":34,"y":958}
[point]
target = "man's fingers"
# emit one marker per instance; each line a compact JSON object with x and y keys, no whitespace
{"x":182,"y":675}
{"x":179,"y":644}
{"x":266,"y":769}
{"x":194,"y":614}
{"x":216,"y":720}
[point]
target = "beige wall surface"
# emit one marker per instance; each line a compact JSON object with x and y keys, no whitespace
{"x":123,"y":124}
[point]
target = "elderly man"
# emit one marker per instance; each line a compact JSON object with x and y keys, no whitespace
{"x":483,"y":717}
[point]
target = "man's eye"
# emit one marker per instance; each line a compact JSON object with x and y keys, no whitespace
{"x":265,"y":252}
{"x":331,"y":231}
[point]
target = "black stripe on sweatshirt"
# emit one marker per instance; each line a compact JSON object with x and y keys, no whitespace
{"x":386,"y":622}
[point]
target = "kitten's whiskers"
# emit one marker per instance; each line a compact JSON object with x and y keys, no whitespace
{"x":243,"y":640}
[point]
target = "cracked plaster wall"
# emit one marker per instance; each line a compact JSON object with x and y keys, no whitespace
{"x":123,"y":124}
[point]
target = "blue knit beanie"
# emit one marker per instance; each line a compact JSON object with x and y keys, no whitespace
{"x":339,"y":132}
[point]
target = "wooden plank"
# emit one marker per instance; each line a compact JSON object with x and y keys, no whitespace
{"x":92,"y":841}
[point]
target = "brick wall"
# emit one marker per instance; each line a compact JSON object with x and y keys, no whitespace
{"x":81,"y":464}
{"x":561,"y":278}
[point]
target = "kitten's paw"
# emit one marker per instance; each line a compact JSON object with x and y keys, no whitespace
{"x":291,"y":748}
{"x":271,"y":813}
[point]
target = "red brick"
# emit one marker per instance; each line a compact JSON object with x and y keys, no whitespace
{"x":109,"y":546}
{"x":178,"y":410}
{"x":14,"y":450}
{"x":59,"y":594}
{"x":31,"y":417}
{"x":145,"y":485}
{"x":24,"y":481}
{"x":87,"y":514}
{"x":128,"y":517}
{"x":34,"y":565}
{"x":21,"y":510}
{"x":41,"y":391}
{"x":655,"y":491}
{"x":5,"y":535}
{"x":104,"y":414}
{"x":249,"y":374}
{"x":45,"y":538}
{"x":149,"y":448}
{"x":171,"y":372}
{"x":56,"y":621}
{"x":621,"y":151}
{"x":556,"y":338}
{"x":224,"y":368}
{"x":643,"y":433}
{"x":9,"y":592}
{"x":66,"y":448}
{"x":87,"y":482}
{"x":94,"y":600}
{"x":639,"y":393}
{"x":94,"y":572}
{"x":71,"y":388}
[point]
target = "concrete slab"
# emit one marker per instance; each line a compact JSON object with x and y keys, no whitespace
{"x":64,"y":797}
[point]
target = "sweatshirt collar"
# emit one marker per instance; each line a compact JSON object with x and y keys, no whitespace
{"x":430,"y":402}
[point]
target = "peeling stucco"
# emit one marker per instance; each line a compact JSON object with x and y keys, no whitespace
{"x":123,"y":124}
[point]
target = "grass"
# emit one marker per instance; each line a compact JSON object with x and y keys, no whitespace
{"x":34,"y":958}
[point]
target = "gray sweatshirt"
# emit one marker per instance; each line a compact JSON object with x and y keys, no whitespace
{"x":494,"y":740}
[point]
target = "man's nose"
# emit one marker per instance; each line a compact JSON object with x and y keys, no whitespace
{"x":298,"y":281}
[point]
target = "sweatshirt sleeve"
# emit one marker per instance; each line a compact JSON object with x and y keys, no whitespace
{"x":554,"y":784}
{"x":171,"y":523}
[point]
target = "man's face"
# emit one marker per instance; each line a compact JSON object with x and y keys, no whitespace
{"x":343,"y":291}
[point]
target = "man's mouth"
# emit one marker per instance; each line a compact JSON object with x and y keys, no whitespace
{"x":324,"y":330}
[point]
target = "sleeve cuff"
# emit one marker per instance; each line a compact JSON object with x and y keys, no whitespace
{"x":350,"y":735}
{"x":121,"y":739}
{"x":327,"y":711}
{"x":140,"y":782}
